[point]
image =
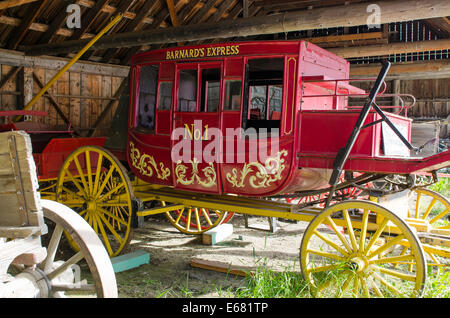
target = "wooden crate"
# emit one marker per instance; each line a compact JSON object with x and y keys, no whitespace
{"x":20,"y":209}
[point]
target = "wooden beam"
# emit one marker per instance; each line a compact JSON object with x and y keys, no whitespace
{"x":157,"y":22}
{"x":173,"y":16}
{"x":440,"y":25}
{"x":405,"y":70}
{"x":14,"y":58}
{"x":108,"y":106}
{"x":392,"y":48}
{"x":200,"y":15}
{"x":52,"y":100}
{"x":173,"y":13}
{"x":285,"y":5}
{"x":245,"y":8}
{"x":56,"y":23}
{"x":30,"y":15}
{"x":13,"y":3}
{"x":393,"y":11}
{"x":224,"y":6}
{"x":88,"y":18}
{"x":132,"y":26}
{"x":123,"y":7}
{"x":345,"y":37}
{"x":11,"y":74}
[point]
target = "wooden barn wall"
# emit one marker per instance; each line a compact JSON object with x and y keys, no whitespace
{"x":432,"y":96}
{"x":82,"y":97}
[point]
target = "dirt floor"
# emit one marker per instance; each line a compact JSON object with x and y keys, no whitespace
{"x":169,"y":273}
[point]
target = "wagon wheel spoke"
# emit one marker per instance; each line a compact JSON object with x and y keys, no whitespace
{"x":62,"y":268}
{"x":433,"y":211}
{"x":195,"y":220}
{"x":368,"y":260}
{"x":96,"y":185}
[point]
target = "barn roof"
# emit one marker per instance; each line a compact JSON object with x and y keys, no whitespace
{"x":29,"y":24}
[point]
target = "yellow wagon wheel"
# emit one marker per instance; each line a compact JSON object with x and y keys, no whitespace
{"x":95,"y":184}
{"x":433,"y":210}
{"x":431,"y":207}
{"x":369,"y":260}
{"x":195,"y":220}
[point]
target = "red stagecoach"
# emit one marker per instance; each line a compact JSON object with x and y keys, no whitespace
{"x":246,"y":127}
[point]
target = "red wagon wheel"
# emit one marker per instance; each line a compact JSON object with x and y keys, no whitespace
{"x":196,"y":220}
{"x":205,"y":227}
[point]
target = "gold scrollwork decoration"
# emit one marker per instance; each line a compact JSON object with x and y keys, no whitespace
{"x":146,"y":164}
{"x":209,"y":174}
{"x":263,"y":175}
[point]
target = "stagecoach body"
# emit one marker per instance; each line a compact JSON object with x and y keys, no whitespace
{"x":250,"y":115}
{"x":261,"y":128}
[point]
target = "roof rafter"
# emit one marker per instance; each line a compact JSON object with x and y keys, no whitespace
{"x":30,"y":16}
{"x":13,"y":3}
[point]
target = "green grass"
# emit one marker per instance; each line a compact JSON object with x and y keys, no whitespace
{"x":442,"y":186}
{"x":266,"y":283}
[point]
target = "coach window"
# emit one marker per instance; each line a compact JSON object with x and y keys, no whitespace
{"x":232,"y":95}
{"x":147,"y":96}
{"x":263,"y":93}
{"x":165,"y":95}
{"x":210,"y":89}
{"x":187,"y":91}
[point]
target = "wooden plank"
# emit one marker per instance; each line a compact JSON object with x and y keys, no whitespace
{"x":222,"y":267}
{"x":75,"y":89}
{"x":108,"y":109}
{"x":63,"y":88}
{"x":95,"y":106}
{"x":19,"y":232}
{"x":27,"y":85}
{"x":130,"y":260}
{"x":18,"y":191}
{"x":8,"y":102}
{"x":84,"y":104}
{"x":218,"y":234}
{"x":53,"y":119}
{"x":9,"y":75}
{"x":52,"y":115}
{"x":41,"y":104}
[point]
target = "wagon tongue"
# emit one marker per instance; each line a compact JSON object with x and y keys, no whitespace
{"x":343,"y":153}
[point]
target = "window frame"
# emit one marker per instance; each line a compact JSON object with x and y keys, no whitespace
{"x":231,"y":79}
{"x":137,"y":101}
{"x":162,"y":81}
{"x":246,"y":102}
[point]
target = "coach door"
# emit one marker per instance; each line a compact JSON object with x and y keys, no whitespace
{"x":195,"y":149}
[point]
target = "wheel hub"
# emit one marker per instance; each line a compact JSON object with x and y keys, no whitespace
{"x":359,"y":264}
{"x":92,"y":205}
